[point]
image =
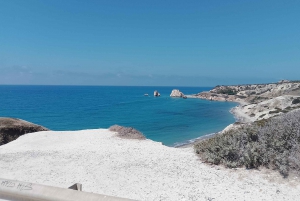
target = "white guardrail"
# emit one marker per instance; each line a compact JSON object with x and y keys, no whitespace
{"x":24,"y":191}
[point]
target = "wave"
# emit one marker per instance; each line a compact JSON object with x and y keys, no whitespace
{"x":189,"y":142}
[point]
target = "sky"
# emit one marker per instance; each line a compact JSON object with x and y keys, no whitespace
{"x":149,"y":43}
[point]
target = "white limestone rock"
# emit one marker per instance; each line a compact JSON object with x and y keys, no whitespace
{"x":177,"y":93}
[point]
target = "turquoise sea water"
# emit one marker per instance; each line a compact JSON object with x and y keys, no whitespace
{"x":169,"y":120}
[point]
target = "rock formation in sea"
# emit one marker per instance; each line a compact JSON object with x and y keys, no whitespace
{"x":11,"y":129}
{"x":177,"y":93}
{"x":156,"y":93}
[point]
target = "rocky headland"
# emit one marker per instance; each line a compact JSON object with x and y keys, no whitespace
{"x":257,"y":101}
{"x":11,"y":129}
{"x":267,"y":132}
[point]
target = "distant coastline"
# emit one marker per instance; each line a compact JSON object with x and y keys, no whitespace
{"x":256,"y":102}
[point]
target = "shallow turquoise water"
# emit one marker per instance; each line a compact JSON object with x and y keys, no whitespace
{"x":165,"y":119}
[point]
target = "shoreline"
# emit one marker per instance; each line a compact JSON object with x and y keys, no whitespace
{"x":255,"y":101}
{"x":238,"y":115}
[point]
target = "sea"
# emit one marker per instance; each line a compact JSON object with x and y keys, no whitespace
{"x":172,"y":121}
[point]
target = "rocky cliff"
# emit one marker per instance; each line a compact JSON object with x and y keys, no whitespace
{"x":11,"y":129}
{"x":258,"y":101}
{"x":177,"y":93}
{"x":252,"y":93}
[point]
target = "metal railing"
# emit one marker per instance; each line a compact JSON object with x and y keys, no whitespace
{"x":24,"y":191}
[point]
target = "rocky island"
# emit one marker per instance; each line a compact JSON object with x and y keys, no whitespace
{"x":177,"y":93}
{"x":156,"y":93}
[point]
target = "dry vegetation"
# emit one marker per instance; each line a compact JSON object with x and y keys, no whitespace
{"x":127,"y":132}
{"x":272,"y":143}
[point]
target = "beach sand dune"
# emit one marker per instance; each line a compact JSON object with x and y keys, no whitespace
{"x":136,"y":169}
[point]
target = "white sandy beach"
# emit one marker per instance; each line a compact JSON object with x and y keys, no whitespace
{"x":136,"y":169}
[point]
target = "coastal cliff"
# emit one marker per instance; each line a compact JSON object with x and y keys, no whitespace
{"x":11,"y":129}
{"x":252,"y":93}
{"x":257,"y":101}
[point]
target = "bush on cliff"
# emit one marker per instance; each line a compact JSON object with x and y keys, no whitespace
{"x":127,"y":132}
{"x":296,"y":101}
{"x":227,"y":91}
{"x":273,"y":143}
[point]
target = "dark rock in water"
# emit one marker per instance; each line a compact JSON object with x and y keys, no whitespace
{"x":11,"y":129}
{"x":156,"y":93}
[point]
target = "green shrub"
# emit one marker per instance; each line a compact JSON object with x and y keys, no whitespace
{"x":241,"y":97}
{"x":227,"y":90}
{"x":296,"y":101}
{"x":277,"y":110}
{"x":273,"y":143}
{"x":262,"y":115}
{"x":127,"y":132}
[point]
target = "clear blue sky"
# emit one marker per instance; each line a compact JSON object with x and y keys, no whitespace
{"x":177,"y":43}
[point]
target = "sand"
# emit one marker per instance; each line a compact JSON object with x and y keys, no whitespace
{"x":136,"y":169}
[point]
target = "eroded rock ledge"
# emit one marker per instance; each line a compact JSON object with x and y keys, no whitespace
{"x":11,"y":129}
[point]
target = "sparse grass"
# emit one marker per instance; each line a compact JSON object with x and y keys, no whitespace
{"x":257,"y":99}
{"x":272,"y":143}
{"x":241,"y":97}
{"x":227,"y":90}
{"x":295,"y":81}
{"x":277,"y":110}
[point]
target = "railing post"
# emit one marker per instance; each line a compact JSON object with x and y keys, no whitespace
{"x":24,"y":191}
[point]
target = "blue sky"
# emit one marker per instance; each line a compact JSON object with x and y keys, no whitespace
{"x":164,"y":43}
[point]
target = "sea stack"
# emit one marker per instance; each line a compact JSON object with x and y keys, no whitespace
{"x":156,"y":94}
{"x":177,"y":93}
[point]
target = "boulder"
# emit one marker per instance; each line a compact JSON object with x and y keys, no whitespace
{"x":177,"y":93}
{"x":156,"y":93}
{"x":11,"y":129}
